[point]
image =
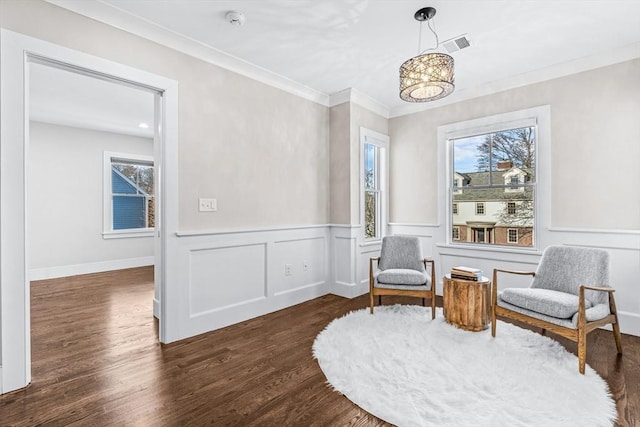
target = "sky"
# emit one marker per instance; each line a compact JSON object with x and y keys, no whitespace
{"x":465,"y":152}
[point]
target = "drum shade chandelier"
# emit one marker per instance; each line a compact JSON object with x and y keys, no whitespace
{"x":427,"y":76}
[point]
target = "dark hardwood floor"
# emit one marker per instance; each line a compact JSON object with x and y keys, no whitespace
{"x":97,"y":361}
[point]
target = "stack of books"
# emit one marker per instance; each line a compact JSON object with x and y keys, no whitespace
{"x":466,"y":273}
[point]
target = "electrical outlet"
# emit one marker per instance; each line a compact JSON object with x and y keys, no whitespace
{"x":287,"y":269}
{"x":305,"y":265}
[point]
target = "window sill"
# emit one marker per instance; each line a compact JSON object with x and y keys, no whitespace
{"x":127,"y":234}
{"x":490,"y":248}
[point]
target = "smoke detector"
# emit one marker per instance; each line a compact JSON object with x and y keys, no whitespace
{"x":457,"y":43}
{"x":235,"y":18}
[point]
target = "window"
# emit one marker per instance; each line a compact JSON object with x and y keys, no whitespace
{"x":454,"y":208}
{"x":456,"y":233}
{"x":373,"y":181}
{"x":495,"y":163}
{"x":500,"y":159}
{"x":129,"y":195}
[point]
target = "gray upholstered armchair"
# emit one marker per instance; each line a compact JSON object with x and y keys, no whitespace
{"x":401,"y":270}
{"x":569,"y":295}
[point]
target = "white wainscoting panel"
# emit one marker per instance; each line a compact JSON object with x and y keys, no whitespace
{"x":219,"y":278}
{"x":307,"y":258}
{"x":343,"y":260}
{"x":623,"y":247}
{"x":624,"y":268}
{"x":234,"y":275}
{"x":365,"y":253}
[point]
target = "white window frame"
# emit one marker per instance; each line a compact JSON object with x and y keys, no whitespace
{"x":368,"y":136}
{"x":454,"y":208}
{"x":536,"y":116}
{"x":509,"y":230}
{"x":481,"y":206}
{"x":107,"y":222}
{"x":515,"y":208}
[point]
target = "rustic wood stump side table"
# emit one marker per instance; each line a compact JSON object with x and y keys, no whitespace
{"x":467,"y":304}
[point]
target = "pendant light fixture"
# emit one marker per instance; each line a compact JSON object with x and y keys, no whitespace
{"x":427,"y":76}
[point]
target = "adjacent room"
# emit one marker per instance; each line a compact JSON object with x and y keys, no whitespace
{"x":340,"y":212}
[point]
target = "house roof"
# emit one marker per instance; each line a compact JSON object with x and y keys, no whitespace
{"x":472,"y":180}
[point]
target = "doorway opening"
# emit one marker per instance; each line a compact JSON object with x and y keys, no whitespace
{"x":20,"y":56}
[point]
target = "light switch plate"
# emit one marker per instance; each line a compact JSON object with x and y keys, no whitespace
{"x":208,"y":205}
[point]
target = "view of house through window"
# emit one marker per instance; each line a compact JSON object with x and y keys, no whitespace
{"x":132,"y":195}
{"x":493,"y":188}
{"x":371,"y":191}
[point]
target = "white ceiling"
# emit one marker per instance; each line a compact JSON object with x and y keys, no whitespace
{"x":327,"y":46}
{"x":66,"y":98}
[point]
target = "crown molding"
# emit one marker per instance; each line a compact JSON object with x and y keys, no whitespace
{"x":575,"y":66}
{"x":357,"y":97}
{"x":125,"y":21}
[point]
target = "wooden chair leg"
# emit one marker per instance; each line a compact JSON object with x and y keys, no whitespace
{"x":493,"y":322}
{"x":582,"y":349}
{"x":371,"y":302}
{"x":616,"y":335}
{"x":433,"y":306}
{"x":494,"y":302}
{"x":616,"y":325}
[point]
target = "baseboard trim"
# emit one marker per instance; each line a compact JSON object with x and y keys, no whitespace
{"x":629,"y":323}
{"x":349,"y":290}
{"x":88,"y":268}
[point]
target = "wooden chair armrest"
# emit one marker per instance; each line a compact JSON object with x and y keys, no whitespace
{"x":371,"y":260}
{"x":598,"y":288}
{"x":523,"y":273}
{"x":433,"y":274}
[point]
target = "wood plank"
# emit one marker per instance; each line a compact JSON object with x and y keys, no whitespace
{"x":97,"y":361}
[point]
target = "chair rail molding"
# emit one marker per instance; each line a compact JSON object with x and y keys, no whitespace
{"x":623,"y":247}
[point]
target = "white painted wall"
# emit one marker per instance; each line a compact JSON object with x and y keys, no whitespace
{"x":65,"y":202}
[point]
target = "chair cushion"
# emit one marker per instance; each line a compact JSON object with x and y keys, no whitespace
{"x":596,"y":312}
{"x":402,"y":276}
{"x":552,"y":303}
{"x":401,"y":252}
{"x":565,"y":268}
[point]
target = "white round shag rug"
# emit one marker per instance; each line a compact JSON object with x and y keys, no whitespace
{"x":409,"y":370}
